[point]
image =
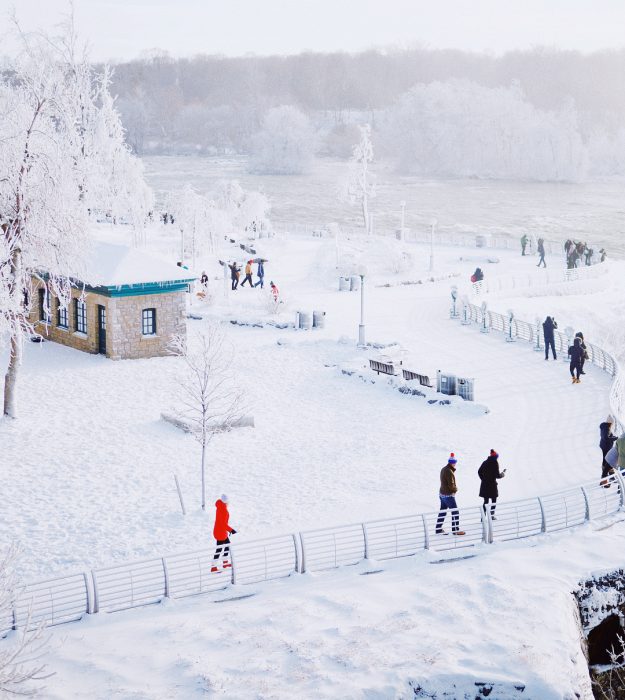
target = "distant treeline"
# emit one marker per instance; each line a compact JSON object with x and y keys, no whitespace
{"x":214,"y":104}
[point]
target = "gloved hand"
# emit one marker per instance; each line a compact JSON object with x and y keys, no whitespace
{"x":234,"y":532}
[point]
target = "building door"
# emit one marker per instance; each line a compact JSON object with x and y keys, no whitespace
{"x":101,"y":329}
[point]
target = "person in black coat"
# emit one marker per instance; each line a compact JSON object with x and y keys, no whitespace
{"x":605,"y":443}
{"x":548,"y":327}
{"x":576,"y":353}
{"x":580,"y":335}
{"x":489,"y":473}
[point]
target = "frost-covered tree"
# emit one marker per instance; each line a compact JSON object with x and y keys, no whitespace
{"x":285,"y":144}
{"x":360,"y":185}
{"x":210,"y":399}
{"x":21,"y":669}
{"x":60,"y":147}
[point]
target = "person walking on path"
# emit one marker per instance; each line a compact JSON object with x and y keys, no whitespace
{"x":275,"y":291}
{"x":541,"y":252}
{"x":260,"y":272}
{"x":447,"y":495}
{"x":234,"y":275}
{"x":524,"y":240}
{"x":580,"y":335}
{"x":607,"y":440}
{"x":576,"y":353}
{"x":489,"y":473}
{"x":248,"y":274}
{"x":221,"y":532}
{"x":548,"y":327}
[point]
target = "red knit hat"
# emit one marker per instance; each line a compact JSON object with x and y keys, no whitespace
{"x":494,"y":453}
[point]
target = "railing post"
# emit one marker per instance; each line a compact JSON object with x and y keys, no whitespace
{"x":366,"y":540}
{"x":543,"y":519}
{"x":426,"y":537}
{"x":88,"y":592}
{"x":487,"y":526}
{"x":586,"y":500}
{"x":294,"y":536}
{"x":301,"y":539}
{"x":96,"y":595}
{"x":166,"y":577}
{"x":233,"y":562}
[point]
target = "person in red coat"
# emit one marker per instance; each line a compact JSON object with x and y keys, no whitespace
{"x":221,"y":532}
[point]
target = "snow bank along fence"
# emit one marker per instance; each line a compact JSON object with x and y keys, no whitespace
{"x":146,"y":582}
{"x":546,"y":277}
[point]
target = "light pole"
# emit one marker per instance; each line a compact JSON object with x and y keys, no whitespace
{"x":433,"y":224}
{"x":362,"y":271}
{"x":402,"y":204}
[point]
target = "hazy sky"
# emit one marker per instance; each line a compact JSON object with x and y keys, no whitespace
{"x":121,"y":29}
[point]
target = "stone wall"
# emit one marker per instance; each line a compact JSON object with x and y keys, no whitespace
{"x":124,"y":336}
{"x":125,"y":324}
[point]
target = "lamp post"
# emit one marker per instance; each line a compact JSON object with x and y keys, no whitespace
{"x":362,"y":271}
{"x":453,"y":313}
{"x":433,"y":225}
{"x":402,"y":204}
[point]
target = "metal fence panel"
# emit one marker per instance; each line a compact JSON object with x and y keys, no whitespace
{"x":332,"y":547}
{"x":564,"y":509}
{"x":262,"y":560}
{"x":398,"y":537}
{"x":129,"y":585}
{"x":516,"y":520}
{"x":604,"y":497}
{"x":190,"y":574}
{"x":52,"y":602}
{"x":470,"y":522}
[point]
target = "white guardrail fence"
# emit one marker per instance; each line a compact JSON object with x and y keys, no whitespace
{"x":137,"y":583}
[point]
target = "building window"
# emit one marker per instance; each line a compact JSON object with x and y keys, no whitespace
{"x":80,"y":316}
{"x":148,"y":322}
{"x":62,"y":320}
{"x":44,"y":305}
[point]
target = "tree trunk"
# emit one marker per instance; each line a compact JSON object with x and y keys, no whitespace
{"x":204,"y":474}
{"x":10,"y":378}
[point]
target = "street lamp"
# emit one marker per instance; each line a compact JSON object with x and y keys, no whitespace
{"x":362,"y":271}
{"x":433,"y":224}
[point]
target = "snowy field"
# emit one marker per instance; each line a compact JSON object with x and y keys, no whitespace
{"x":591,"y":211}
{"x":95,"y":486}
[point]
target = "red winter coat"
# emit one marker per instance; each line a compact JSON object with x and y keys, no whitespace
{"x":221,"y":529}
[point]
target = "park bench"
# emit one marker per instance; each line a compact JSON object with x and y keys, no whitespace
{"x":424,"y":380}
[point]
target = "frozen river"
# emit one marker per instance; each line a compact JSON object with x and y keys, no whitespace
{"x":592,"y":211}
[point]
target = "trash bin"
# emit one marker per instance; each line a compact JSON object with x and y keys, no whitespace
{"x":304,"y":320}
{"x":480,"y":241}
{"x":354,"y":283}
{"x":465,"y":388}
{"x":445,"y":383}
{"x":344,"y":284}
{"x":319,"y":319}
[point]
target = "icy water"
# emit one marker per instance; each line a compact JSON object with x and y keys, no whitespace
{"x":593,"y":211}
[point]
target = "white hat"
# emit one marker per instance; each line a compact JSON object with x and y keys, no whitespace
{"x":224,"y":498}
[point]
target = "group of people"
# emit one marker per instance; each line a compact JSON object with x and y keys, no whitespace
{"x":578,"y":253}
{"x":489,"y":473}
{"x":235,"y":276}
{"x":578,"y":352}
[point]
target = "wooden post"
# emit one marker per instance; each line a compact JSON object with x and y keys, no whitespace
{"x":184,"y":512}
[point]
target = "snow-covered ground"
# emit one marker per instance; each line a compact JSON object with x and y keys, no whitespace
{"x":88,"y":481}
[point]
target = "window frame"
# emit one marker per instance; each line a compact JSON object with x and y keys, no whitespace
{"x":45,"y":315}
{"x":148,"y":316}
{"x":80,"y":316}
{"x":62,"y":313}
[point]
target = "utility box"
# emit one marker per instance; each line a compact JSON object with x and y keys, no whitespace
{"x":319,"y":319}
{"x":344,"y":284}
{"x":304,"y":320}
{"x":445,"y":383}
{"x":465,"y":386}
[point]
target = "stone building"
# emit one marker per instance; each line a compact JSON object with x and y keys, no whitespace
{"x":130,"y":306}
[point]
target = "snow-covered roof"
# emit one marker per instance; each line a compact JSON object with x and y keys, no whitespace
{"x":113,"y":265}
